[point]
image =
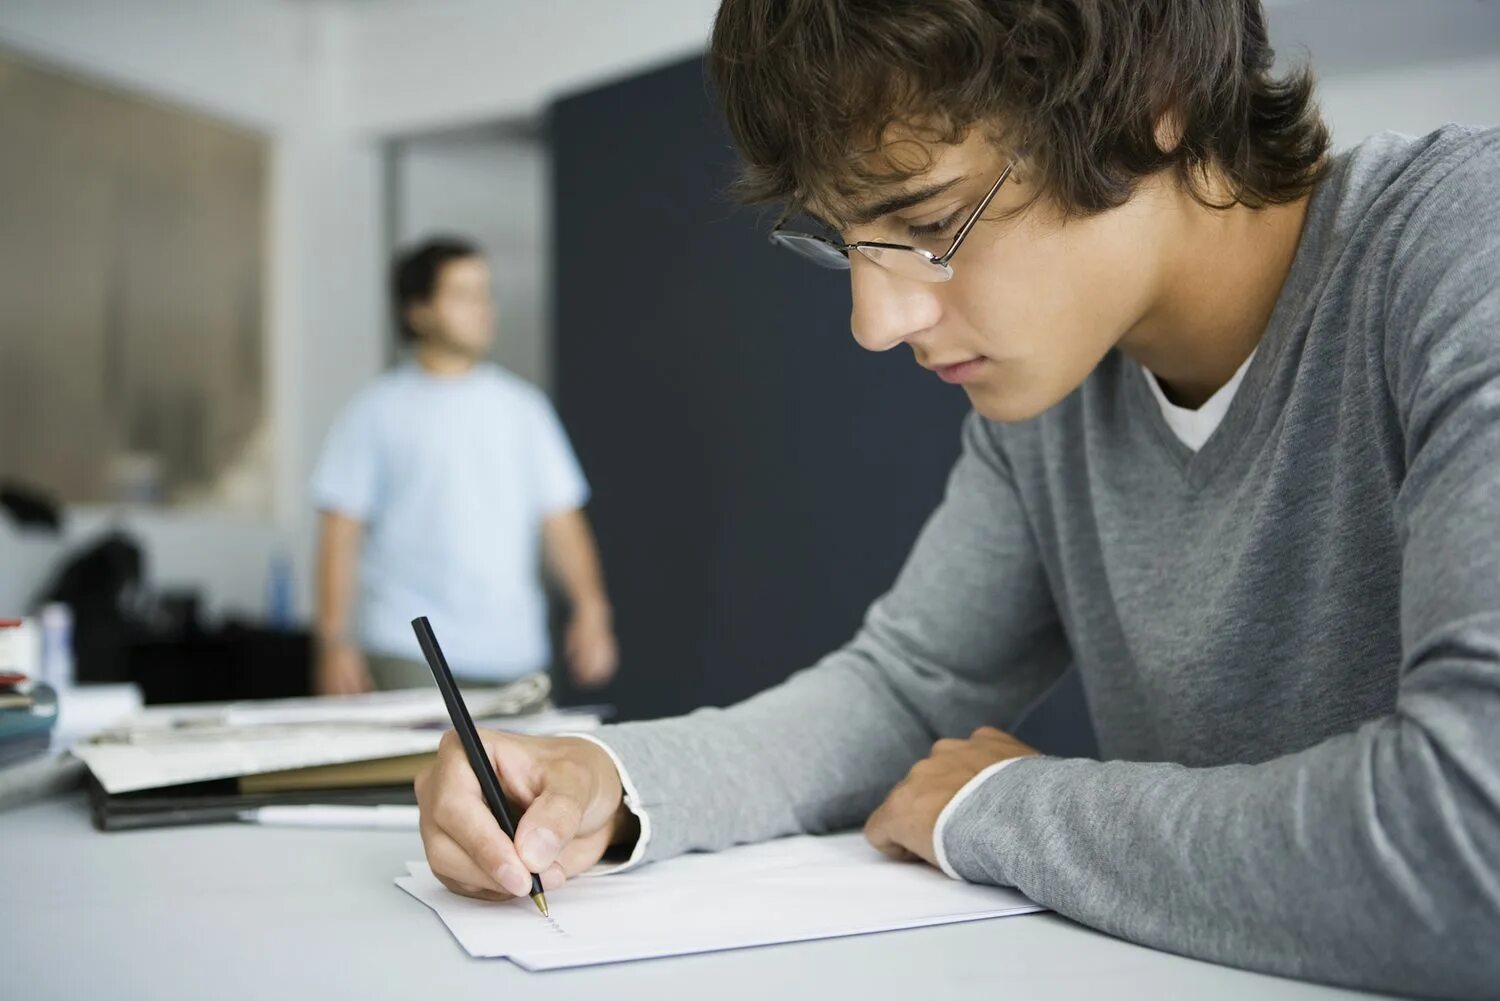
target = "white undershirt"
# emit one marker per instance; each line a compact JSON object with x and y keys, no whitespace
{"x":1193,"y":427}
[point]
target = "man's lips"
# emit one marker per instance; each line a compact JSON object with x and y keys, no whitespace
{"x":960,"y":372}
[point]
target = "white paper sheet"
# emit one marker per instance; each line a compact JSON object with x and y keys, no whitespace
{"x":790,"y":890}
{"x":83,"y":711}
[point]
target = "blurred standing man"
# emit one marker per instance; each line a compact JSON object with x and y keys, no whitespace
{"x":434,"y":489}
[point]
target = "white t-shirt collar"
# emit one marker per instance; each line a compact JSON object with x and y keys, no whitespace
{"x":1193,"y":427}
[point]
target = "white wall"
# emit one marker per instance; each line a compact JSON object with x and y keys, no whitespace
{"x":425,"y":64}
{"x":1412,"y":99}
{"x":492,"y":187}
{"x":1395,"y":65}
{"x":238,"y":59}
{"x":278,"y":68}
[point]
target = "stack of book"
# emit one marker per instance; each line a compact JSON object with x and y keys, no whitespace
{"x":27,"y":715}
{"x":28,"y":710}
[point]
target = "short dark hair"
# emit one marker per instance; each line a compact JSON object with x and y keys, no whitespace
{"x":414,"y":276}
{"x":811,"y":86}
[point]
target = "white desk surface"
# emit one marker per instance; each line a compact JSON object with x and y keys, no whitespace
{"x":237,"y":911}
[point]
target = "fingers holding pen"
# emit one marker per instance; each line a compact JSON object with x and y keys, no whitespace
{"x":463,"y":840}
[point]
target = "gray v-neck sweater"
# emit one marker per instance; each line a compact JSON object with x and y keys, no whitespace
{"x":1290,"y":640}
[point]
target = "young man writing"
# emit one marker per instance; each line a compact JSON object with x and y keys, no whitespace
{"x":1236,"y":455}
{"x":437,"y":488}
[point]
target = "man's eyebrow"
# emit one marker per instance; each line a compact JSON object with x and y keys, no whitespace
{"x":902,"y":200}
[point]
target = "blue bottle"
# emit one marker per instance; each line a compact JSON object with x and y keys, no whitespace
{"x":280,"y":607}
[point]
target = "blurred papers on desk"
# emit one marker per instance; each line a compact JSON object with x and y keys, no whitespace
{"x":175,"y":745}
{"x":314,"y":750}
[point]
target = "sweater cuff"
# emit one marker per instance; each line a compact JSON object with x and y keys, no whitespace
{"x":939,"y":832}
{"x":966,"y":829}
{"x":632,"y":800}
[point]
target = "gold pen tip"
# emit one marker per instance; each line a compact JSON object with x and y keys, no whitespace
{"x":540,"y":899}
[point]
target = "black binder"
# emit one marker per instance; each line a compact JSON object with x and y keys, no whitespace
{"x":219,"y":802}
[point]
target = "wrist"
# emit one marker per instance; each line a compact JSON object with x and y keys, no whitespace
{"x":623,"y":825}
{"x":626,"y":827}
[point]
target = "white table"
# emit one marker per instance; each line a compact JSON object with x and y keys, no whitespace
{"x":234,"y":911}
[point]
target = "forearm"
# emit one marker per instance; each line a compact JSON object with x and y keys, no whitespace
{"x":337,"y":576}
{"x":820,"y":751}
{"x":814,"y":754}
{"x":573,"y":559}
{"x":1372,"y":859}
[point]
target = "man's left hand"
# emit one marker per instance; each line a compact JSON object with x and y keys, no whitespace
{"x":903,"y":825}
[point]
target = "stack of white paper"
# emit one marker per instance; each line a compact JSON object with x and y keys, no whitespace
{"x":146,"y":760}
{"x":404,"y":706}
{"x":789,"y":890}
{"x":173,"y":745}
{"x":152,"y":757}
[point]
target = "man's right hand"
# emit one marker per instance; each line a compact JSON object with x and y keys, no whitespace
{"x":572,"y":803}
{"x":341,"y":671}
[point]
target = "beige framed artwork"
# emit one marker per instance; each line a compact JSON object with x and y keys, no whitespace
{"x":133,"y":348}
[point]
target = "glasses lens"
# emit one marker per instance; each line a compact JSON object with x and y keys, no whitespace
{"x":814,"y":248}
{"x":908,"y":262}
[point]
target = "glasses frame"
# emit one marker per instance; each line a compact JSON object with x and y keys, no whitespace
{"x":943,"y":269}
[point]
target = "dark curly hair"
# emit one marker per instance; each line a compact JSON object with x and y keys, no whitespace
{"x":810,"y":88}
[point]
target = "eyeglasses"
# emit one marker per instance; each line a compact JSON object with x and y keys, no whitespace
{"x":899,"y":258}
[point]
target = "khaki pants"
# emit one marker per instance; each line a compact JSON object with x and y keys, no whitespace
{"x":387,"y":673}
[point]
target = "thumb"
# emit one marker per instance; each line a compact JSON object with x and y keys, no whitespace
{"x":553,"y":818}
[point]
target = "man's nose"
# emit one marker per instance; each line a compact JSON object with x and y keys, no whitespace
{"x":888,"y":308}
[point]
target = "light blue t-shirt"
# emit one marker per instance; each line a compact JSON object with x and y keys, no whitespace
{"x":452,"y":476}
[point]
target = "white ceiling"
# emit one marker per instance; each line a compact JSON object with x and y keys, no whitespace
{"x":397,"y":67}
{"x":418,"y":64}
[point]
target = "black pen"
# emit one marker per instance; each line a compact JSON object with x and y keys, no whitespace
{"x":463,"y":723}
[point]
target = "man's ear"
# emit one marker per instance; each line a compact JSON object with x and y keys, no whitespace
{"x":1169,"y":129}
{"x":1204,"y":179}
{"x":418,"y":317}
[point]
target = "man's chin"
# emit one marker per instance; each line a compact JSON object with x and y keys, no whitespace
{"x":473,"y":352}
{"x":1007,"y":404}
